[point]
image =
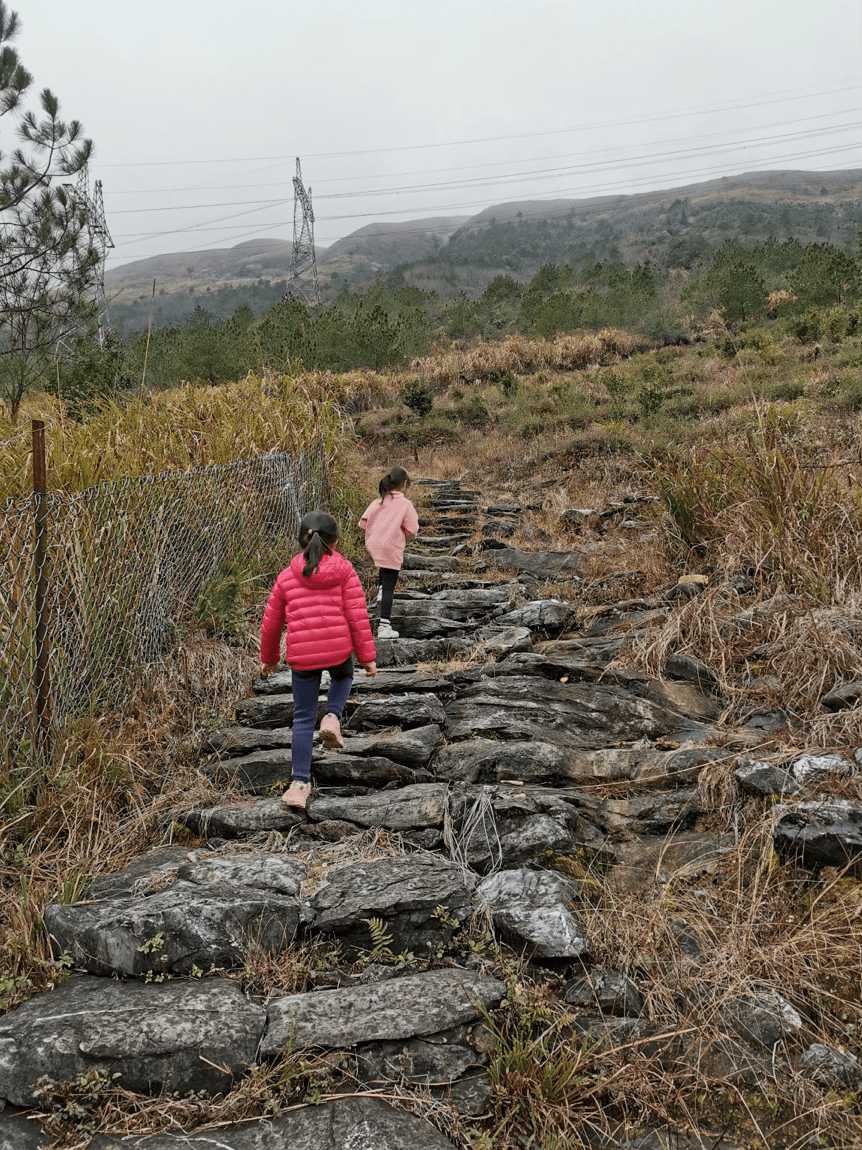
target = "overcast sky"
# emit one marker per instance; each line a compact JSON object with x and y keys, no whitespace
{"x":401,"y":109}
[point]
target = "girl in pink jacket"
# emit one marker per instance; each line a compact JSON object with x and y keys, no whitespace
{"x":320,"y":600}
{"x":389,"y":522}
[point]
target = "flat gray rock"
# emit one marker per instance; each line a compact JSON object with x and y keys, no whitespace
{"x":653,"y":813}
{"x":262,"y":771}
{"x":20,"y":1133}
{"x":490,"y":760}
{"x":844,"y":697}
{"x":432,"y":1059}
{"x":542,"y":564}
{"x":537,"y":835}
{"x":764,"y":1018}
{"x":427,"y":626}
{"x":240,"y":740}
{"x":398,"y":711}
{"x":585,"y":715}
{"x":547,"y":616}
{"x":765,"y":779}
{"x":436,"y":609}
{"x":256,"y":772}
{"x":268,"y":711}
{"x":415,"y":1004}
{"x":415,"y":560}
{"x":826,"y":1066}
{"x":608,"y":991}
{"x":404,"y":892}
{"x":346,"y":1124}
{"x":149,"y":870}
{"x":421,"y":805}
{"x":820,"y":833}
{"x":534,"y":762}
{"x":407,"y":652}
{"x":691,"y":669}
{"x":240,"y":819}
{"x":819,"y":768}
{"x":263,"y":871}
{"x":499,"y":641}
{"x":394,"y":681}
{"x":532,"y":910}
{"x":481,"y":599}
{"x":174,"y":1036}
{"x":175,"y":930}
{"x":413,"y":747}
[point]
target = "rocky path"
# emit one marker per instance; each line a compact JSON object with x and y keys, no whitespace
{"x":493,"y":751}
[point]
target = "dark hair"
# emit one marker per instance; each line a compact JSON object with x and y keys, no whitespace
{"x":394,"y":477}
{"x":317,"y":532}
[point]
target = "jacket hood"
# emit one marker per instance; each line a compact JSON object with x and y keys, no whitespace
{"x":333,"y":569}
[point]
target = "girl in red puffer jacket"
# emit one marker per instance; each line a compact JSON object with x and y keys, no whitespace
{"x":320,"y":600}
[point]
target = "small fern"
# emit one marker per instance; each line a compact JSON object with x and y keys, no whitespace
{"x":381,"y":938}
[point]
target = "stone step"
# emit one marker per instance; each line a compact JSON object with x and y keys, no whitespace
{"x":398,"y":1008}
{"x":178,"y":1036}
{"x":346,"y":1122}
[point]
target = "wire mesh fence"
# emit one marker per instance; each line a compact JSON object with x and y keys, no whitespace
{"x":126,"y":566}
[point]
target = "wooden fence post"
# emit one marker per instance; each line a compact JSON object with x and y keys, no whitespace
{"x":41,"y":652}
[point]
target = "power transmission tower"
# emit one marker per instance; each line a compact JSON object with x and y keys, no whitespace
{"x":302,"y":280}
{"x":100,"y":238}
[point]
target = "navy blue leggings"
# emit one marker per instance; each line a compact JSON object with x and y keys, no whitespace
{"x":306,"y":688}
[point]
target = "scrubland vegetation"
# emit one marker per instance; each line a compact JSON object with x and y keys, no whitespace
{"x":747,"y":430}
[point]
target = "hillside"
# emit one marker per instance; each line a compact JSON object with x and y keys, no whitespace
{"x":585,"y":871}
{"x":672,"y":228}
{"x":379,"y":247}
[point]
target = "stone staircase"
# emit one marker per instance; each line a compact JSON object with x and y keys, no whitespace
{"x":493,"y":743}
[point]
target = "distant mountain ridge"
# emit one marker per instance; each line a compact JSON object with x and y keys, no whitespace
{"x":672,"y":227}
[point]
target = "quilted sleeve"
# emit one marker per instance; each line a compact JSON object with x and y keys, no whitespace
{"x":272,"y":627}
{"x":356,"y":613}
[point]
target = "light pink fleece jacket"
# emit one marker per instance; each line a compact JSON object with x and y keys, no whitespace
{"x":386,"y":526}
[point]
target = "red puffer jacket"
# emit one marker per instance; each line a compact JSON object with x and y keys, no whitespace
{"x":326,"y":616}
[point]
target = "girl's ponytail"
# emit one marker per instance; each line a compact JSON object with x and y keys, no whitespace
{"x":395,"y":477}
{"x":317,"y":533}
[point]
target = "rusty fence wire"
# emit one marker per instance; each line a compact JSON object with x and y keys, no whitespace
{"x":126,"y":566}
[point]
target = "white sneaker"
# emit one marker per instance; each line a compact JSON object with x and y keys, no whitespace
{"x":386,"y":631}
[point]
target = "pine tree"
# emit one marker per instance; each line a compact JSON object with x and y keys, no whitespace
{"x":47,"y":260}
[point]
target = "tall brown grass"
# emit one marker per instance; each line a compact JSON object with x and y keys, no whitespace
{"x":519,"y":354}
{"x":190,"y":426}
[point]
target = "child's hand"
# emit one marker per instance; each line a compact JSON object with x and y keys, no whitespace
{"x":267,"y":669}
{"x":370,"y":669}
{"x":409,"y":535}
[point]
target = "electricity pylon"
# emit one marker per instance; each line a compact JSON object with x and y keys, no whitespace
{"x":302,"y":280}
{"x":100,"y":238}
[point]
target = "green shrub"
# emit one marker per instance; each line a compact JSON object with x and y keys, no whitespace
{"x":418,"y":398}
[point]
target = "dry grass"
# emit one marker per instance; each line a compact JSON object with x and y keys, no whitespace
{"x":109,"y":796}
{"x":483,"y":360}
{"x":189,"y":426}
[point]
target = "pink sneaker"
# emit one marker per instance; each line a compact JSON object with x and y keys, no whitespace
{"x":330,"y":733}
{"x":296,"y":794}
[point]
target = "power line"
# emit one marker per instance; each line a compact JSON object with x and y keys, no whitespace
{"x":534,"y":174}
{"x":579,"y":192}
{"x":724,"y":106}
{"x":490,"y":164}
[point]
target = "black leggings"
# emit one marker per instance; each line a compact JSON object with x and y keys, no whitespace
{"x":388,"y":578}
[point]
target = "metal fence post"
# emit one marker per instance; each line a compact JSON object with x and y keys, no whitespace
{"x":41,"y":652}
